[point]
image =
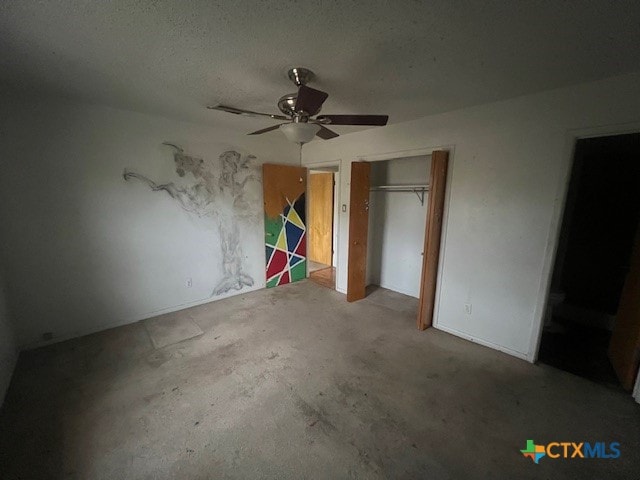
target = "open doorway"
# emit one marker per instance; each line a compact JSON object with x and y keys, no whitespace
{"x":593,"y":263}
{"x":322,"y":225}
{"x":397,"y":218}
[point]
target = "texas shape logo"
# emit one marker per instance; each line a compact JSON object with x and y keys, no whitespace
{"x":533,"y":451}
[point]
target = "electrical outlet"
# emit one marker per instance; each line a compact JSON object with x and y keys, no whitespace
{"x":467,"y":308}
{"x":189,"y":282}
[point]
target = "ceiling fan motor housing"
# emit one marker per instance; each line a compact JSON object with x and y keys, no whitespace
{"x":300,"y":76}
{"x":287,"y":105}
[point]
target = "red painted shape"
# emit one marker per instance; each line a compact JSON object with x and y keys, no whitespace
{"x":285,"y":278}
{"x":302,"y":246}
{"x":277,"y":264}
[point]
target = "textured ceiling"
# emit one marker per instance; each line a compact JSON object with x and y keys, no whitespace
{"x":404,"y":58}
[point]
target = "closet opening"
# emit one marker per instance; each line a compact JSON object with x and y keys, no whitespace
{"x":398,"y":204}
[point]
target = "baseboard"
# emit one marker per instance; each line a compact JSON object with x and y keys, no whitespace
{"x":484,"y":343}
{"x":393,"y":288}
{"x":128,"y":321}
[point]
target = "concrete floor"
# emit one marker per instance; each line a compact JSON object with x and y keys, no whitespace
{"x":294,"y":382}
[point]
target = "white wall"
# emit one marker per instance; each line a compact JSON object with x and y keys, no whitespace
{"x":507,"y":179}
{"x":84,"y":250}
{"x":8,"y":351}
{"x":396,"y":226}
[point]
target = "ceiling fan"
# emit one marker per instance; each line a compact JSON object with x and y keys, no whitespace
{"x":299,"y":108}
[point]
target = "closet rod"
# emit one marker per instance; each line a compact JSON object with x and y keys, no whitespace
{"x":419,"y":190}
{"x":395,"y":187}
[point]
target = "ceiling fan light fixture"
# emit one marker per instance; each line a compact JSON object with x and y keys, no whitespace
{"x":300,"y":132}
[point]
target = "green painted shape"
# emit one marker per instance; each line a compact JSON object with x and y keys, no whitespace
{"x":272,"y":227}
{"x":299,"y":271}
{"x":273,"y":282}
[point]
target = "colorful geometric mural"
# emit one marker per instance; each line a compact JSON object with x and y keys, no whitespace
{"x":286,"y":244}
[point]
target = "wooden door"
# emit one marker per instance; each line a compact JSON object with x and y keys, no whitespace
{"x":320,"y":223}
{"x":433,"y":233}
{"x":284,"y":223}
{"x":624,"y":347}
{"x":358,"y":230}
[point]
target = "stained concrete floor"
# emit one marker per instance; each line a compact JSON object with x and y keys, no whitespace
{"x":295,"y":382}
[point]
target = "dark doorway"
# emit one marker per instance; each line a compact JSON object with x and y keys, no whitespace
{"x":594,"y":253}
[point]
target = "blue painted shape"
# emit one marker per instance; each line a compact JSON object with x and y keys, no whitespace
{"x":293,"y":236}
{"x":294,"y":260}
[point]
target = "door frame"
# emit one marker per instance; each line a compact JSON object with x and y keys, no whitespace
{"x":424,"y":151}
{"x":553,"y":238}
{"x":313,"y":173}
{"x":336,"y":208}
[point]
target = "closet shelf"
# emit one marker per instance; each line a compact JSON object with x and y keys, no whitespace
{"x":419,"y":190}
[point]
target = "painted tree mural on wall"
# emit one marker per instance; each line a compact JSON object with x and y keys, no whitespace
{"x":219,"y":193}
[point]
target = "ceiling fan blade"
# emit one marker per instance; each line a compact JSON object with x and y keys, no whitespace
{"x":248,"y":113}
{"x":326,"y":134}
{"x":310,"y":100}
{"x":374,"y":120}
{"x":265,"y":130}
